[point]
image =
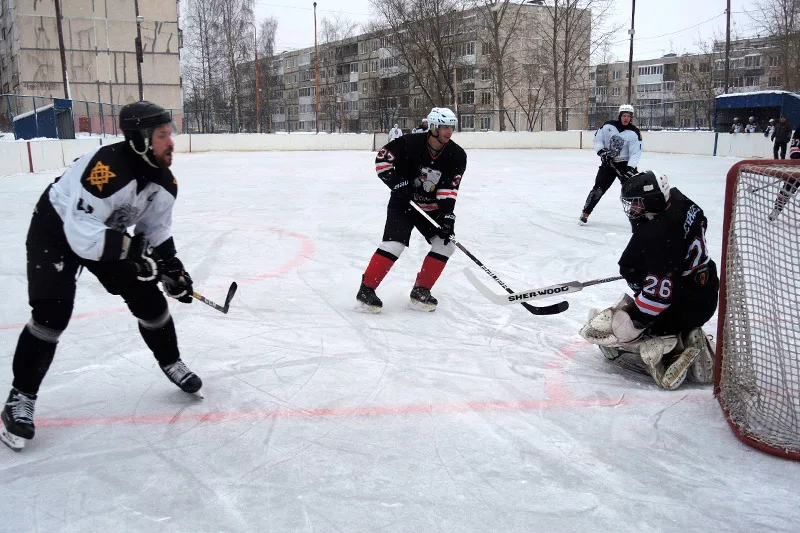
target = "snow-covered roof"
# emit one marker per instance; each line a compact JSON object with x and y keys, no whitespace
{"x":752,"y":93}
{"x":29,"y":113}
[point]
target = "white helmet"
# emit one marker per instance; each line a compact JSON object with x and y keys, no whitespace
{"x":626,"y":108}
{"x":752,"y":119}
{"x":441,"y":116}
{"x":772,"y":121}
{"x":395,"y":125}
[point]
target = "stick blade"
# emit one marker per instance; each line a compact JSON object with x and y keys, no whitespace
{"x":231,"y":292}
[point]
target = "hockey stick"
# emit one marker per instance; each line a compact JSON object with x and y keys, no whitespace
{"x":545,"y":310}
{"x":532,"y":294}
{"x":752,"y":189}
{"x":228,"y":298}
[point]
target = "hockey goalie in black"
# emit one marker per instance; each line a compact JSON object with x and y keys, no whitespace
{"x":426,"y":168}
{"x":81,"y":222}
{"x":674,"y":282}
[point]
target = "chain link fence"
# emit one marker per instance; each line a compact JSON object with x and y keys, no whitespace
{"x":100,"y":119}
{"x":89,"y":118}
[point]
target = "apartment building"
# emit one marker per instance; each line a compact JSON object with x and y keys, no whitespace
{"x":679,"y":90}
{"x":99,"y":39}
{"x":364,"y":85}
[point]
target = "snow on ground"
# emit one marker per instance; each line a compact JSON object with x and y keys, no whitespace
{"x":319,"y":418}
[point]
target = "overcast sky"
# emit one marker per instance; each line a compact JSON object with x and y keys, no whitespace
{"x":662,"y":26}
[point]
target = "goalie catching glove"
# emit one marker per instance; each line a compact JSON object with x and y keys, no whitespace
{"x":176,"y":281}
{"x":613,"y":326}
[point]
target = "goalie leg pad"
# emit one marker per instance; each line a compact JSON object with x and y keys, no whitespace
{"x":676,"y":373}
{"x":702,"y":370}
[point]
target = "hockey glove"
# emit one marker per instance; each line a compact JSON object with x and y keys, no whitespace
{"x":176,"y":281}
{"x":402,"y":189}
{"x":140,"y":260}
{"x":606,"y":157}
{"x":447,"y":224}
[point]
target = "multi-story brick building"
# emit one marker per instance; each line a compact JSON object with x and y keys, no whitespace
{"x":364,"y":85}
{"x":679,"y":91}
{"x":99,"y":45}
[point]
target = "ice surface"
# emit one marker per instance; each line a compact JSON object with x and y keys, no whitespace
{"x":319,"y":418}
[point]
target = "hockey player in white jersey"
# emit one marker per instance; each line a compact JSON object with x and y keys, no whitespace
{"x":619,"y":145}
{"x":395,"y":133}
{"x":81,"y":222}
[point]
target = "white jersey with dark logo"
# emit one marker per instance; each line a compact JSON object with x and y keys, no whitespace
{"x":625,"y":142}
{"x":107,"y":191}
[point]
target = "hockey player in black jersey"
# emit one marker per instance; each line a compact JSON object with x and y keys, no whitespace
{"x":790,"y":186}
{"x":674,"y":283}
{"x":81,"y":222}
{"x":619,"y":145}
{"x":426,"y":168}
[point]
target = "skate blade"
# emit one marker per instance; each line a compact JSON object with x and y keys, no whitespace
{"x":421,"y":306}
{"x":198,"y":394}
{"x":364,"y":308}
{"x":12,"y":441}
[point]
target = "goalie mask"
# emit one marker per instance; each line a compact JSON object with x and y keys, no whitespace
{"x":645,"y":194}
{"x":137,"y":122}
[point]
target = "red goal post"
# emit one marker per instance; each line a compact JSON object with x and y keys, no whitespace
{"x":757,"y":371}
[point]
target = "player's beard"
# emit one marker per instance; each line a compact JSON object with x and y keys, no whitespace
{"x":165,"y":160}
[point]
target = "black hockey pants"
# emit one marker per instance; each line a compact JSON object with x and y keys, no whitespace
{"x":52,"y":270}
{"x":605,"y":177}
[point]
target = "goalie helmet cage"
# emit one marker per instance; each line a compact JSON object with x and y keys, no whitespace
{"x":757,"y":371}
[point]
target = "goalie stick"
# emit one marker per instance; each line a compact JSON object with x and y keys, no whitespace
{"x":544,"y":310}
{"x":532,"y":294}
{"x":228,"y":298}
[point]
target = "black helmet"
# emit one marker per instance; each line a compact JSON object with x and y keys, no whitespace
{"x":645,"y":193}
{"x":137,"y":122}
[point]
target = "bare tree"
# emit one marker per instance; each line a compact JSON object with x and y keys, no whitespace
{"x":200,"y":67}
{"x":237,"y":16}
{"x":572,"y":31}
{"x":780,"y":20}
{"x":266,"y":50}
{"x":504,"y":28}
{"x":421,"y":38}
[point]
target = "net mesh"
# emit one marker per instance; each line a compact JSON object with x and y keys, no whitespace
{"x":759,"y":368}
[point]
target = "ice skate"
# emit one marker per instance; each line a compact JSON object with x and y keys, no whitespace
{"x":584,"y":218}
{"x":422,"y":299}
{"x":180,"y":375}
{"x":368,"y":299}
{"x":18,"y":420}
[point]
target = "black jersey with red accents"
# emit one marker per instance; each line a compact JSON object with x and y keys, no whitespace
{"x":434,"y":178}
{"x":107,"y":191}
{"x":667,"y":259}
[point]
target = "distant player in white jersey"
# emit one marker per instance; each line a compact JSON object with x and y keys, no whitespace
{"x":395,"y":133}
{"x":81,"y":222}
{"x":619,"y":145}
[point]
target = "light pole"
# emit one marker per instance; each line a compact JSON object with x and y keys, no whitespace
{"x":61,"y":50}
{"x":630,"y":55}
{"x":139,"y":50}
{"x":258,"y":89}
{"x":316,"y":72}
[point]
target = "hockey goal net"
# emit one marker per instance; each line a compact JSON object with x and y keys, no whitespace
{"x":757,"y":379}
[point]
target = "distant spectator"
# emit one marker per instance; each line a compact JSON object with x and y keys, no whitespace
{"x":770,"y":129}
{"x":422,"y":127}
{"x":736,"y":127}
{"x":751,"y":127}
{"x":781,"y":136}
{"x":395,"y":132}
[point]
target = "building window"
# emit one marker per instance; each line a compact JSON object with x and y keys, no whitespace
{"x":615,"y":91}
{"x":617,"y":74}
{"x":705,"y":67}
{"x":486,"y":98}
{"x":773,"y":61}
{"x":486,"y":49}
{"x":752,"y":61}
{"x":468,"y":93}
{"x":651,"y":69}
{"x":600,"y":91}
{"x":752,"y":81}
{"x":486,"y":74}
{"x":468,"y":122}
{"x":686,"y":86}
{"x":353,"y":68}
{"x":486,"y":123}
{"x":466,"y":49}
{"x":773,"y":81}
